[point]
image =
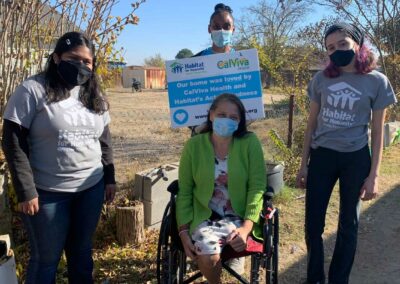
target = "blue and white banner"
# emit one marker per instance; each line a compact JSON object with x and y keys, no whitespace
{"x":194,"y":82}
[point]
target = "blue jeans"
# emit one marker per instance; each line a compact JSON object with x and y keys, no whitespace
{"x":325,"y":168}
{"x":65,"y":221}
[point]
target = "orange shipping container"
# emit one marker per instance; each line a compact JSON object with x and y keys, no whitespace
{"x":149,"y":77}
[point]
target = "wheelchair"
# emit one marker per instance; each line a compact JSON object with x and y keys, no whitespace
{"x":172,"y":265}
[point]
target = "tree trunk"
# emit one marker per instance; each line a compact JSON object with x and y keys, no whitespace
{"x":130,"y":224}
{"x":5,"y":210}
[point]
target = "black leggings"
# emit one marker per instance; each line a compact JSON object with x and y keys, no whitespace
{"x":325,"y":168}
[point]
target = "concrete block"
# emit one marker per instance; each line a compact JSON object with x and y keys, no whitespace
{"x":390,"y":131}
{"x":274,"y":177}
{"x":151,"y":188}
{"x":153,"y":213}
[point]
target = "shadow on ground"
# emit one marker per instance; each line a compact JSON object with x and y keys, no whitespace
{"x":378,"y":252}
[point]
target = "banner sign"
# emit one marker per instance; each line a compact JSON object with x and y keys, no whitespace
{"x":194,"y":82}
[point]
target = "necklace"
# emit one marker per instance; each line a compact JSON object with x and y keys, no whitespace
{"x":221,"y":147}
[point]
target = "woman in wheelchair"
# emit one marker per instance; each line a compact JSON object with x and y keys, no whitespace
{"x":221,"y":184}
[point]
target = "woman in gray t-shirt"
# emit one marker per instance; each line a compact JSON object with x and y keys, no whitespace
{"x":57,"y":144}
{"x":347,"y":97}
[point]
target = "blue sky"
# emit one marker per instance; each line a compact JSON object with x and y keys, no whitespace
{"x":166,"y":26}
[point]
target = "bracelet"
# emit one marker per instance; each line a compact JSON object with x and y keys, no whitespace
{"x":181,"y":231}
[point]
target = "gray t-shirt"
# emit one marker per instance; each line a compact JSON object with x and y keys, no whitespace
{"x":346,"y":104}
{"x":64,"y":147}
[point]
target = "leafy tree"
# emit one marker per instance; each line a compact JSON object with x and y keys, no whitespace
{"x":379,"y":19}
{"x":390,"y":32}
{"x":312,"y":36}
{"x":29,"y":30}
{"x":155,"y":61}
{"x":270,"y":26}
{"x":184,"y":53}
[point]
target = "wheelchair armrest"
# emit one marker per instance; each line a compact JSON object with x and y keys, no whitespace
{"x":267,"y":204}
{"x":173,"y":187}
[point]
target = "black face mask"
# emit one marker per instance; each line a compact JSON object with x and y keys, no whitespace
{"x":342,"y":57}
{"x":74,"y":73}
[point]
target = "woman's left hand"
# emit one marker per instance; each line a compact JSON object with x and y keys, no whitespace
{"x":110,"y":192}
{"x":237,"y":239}
{"x":369,"y":190}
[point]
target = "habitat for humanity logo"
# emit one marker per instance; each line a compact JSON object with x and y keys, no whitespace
{"x":340,"y":110}
{"x":343,"y":95}
{"x":177,"y":67}
{"x":239,"y":63}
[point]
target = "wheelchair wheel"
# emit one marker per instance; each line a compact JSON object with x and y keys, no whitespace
{"x":171,"y":261}
{"x":271,"y":233}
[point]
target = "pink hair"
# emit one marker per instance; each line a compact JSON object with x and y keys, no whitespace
{"x":364,"y":63}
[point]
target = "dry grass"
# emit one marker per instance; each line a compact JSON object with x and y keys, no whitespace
{"x":143,"y":137}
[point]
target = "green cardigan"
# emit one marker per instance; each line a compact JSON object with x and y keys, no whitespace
{"x":246,"y":180}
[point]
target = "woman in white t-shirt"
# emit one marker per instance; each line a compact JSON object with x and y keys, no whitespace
{"x":347,"y":97}
{"x":57,"y":143}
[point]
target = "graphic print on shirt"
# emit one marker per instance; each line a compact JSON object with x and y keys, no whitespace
{"x":80,"y":124}
{"x":340,"y":108}
{"x":220,"y":201}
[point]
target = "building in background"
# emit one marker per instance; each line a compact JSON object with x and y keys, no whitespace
{"x":149,"y":77}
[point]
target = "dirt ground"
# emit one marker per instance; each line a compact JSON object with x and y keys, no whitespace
{"x":143,"y":138}
{"x":378,"y":256}
{"x":377,"y":259}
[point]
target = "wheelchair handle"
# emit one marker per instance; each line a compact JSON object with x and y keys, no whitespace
{"x":173,"y":187}
{"x":268,"y":195}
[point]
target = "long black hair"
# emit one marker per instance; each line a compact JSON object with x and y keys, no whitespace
{"x":90,"y":93}
{"x":220,"y":9}
{"x":226,"y":97}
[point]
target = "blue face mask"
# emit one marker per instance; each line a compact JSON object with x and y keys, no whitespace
{"x":221,"y":38}
{"x":224,"y":127}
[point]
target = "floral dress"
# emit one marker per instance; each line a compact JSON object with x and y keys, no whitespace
{"x":210,"y":236}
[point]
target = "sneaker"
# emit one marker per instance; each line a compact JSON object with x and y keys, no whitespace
{"x":237,"y":264}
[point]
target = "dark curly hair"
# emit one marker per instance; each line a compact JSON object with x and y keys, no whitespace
{"x":90,"y":93}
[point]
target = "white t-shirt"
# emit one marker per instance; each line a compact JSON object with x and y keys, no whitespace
{"x":64,"y":147}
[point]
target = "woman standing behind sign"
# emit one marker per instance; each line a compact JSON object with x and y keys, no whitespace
{"x":344,"y":98}
{"x":221,"y":28}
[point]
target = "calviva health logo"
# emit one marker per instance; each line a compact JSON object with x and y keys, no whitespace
{"x":240,"y":63}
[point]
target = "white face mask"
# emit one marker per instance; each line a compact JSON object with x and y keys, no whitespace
{"x":224,"y":127}
{"x":221,"y":37}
